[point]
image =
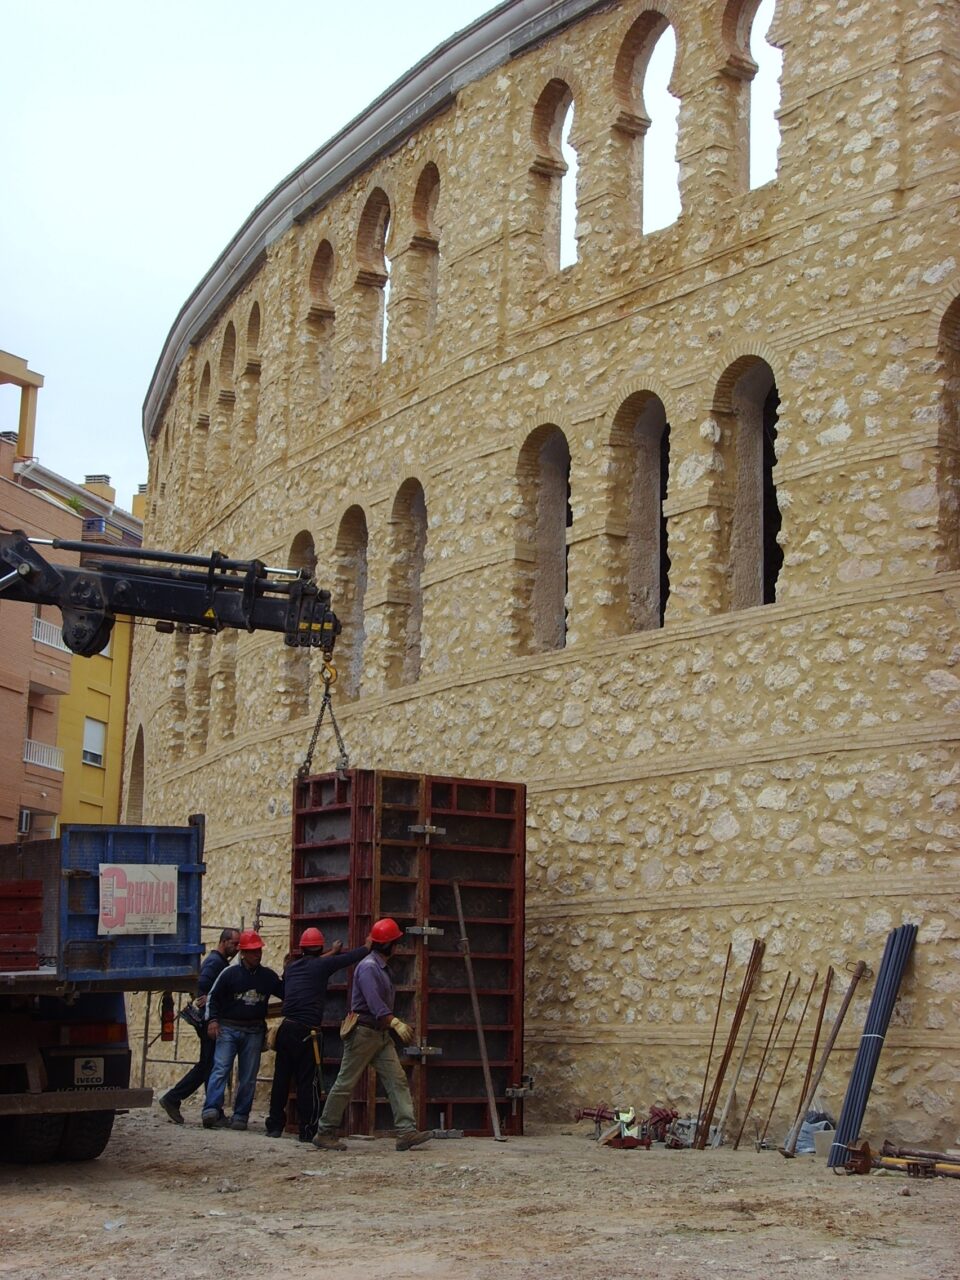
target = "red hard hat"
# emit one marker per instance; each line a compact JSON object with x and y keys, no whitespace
{"x":250,"y":940}
{"x":311,"y":938}
{"x":386,"y":931}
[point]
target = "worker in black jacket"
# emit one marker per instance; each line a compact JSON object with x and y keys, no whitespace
{"x":198,"y":1075}
{"x":299,"y":1043}
{"x":236,"y":1020}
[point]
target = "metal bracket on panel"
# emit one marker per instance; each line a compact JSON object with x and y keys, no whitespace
{"x":424,"y":930}
{"x":423,"y":1052}
{"x":517,"y":1092}
{"x":426,"y":830}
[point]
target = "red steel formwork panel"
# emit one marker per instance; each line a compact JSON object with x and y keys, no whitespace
{"x":373,"y":843}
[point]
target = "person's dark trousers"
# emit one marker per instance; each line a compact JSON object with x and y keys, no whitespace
{"x":295,"y":1062}
{"x":197,"y":1076}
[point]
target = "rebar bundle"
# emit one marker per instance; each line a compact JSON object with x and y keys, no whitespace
{"x":895,"y":956}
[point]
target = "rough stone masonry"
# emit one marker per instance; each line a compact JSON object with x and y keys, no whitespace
{"x":670,"y":534}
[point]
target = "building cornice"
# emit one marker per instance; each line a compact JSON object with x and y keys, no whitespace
{"x":424,"y":91}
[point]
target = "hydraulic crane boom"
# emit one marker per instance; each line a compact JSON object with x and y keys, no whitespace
{"x":207,"y":592}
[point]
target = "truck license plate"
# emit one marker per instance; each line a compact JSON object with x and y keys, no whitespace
{"x":87,"y":1072}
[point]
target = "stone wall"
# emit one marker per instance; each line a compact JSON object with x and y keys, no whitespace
{"x":786,"y":770}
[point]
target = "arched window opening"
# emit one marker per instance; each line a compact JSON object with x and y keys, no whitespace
{"x":198,"y":692}
{"x":764,"y":99}
{"x":555,"y":198}
{"x":249,"y":396}
{"x":197,"y":479}
{"x":223,"y":683}
{"x":661,"y":170}
{"x":640,"y":447}
{"x":226,"y":402}
{"x":568,"y":195}
{"x":948,"y":478}
{"x":543,"y":473}
{"x":320,"y":320}
{"x":253,"y":336}
{"x":228,"y":360}
{"x":405,"y":603}
{"x":373,"y":275}
{"x":135,"y":782}
{"x":425,"y":251}
{"x":348,"y":598}
{"x":749,"y":396}
{"x":295,"y":662}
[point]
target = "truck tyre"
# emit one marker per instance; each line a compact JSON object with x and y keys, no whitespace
{"x":36,"y":1139}
{"x":85,"y":1134}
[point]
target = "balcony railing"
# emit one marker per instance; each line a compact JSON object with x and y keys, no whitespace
{"x":43,"y":754}
{"x":48,"y":633}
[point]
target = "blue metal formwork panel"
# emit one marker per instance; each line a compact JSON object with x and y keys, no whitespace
{"x":145,"y":960}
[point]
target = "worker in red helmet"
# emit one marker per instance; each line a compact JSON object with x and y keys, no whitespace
{"x":236,"y":1020}
{"x":367,"y":1043}
{"x":299,"y":1043}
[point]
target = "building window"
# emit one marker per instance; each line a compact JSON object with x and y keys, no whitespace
{"x":94,"y":741}
{"x":545,"y":513}
{"x":554,"y":175}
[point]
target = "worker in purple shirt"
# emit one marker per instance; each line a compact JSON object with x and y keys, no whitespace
{"x":367,"y":1043}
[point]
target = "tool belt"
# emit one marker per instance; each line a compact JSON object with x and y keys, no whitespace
{"x":348,"y":1024}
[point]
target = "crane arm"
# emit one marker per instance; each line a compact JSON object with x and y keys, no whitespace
{"x":207,"y":592}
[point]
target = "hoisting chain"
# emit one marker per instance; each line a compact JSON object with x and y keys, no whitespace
{"x":329,"y":675}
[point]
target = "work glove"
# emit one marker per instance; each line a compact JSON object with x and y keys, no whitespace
{"x":403,"y":1030}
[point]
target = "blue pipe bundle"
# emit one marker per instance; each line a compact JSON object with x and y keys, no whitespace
{"x":895,"y":957}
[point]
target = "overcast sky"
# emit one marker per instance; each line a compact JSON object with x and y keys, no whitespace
{"x":138,"y":139}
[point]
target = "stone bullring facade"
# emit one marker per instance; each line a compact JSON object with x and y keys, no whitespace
{"x":671,"y":534}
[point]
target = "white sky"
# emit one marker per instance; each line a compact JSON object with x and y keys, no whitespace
{"x":139,"y":137}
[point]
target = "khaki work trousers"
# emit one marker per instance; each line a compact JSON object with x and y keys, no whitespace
{"x":364,"y":1047}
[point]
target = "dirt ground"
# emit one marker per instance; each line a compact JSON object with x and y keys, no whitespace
{"x":166,"y":1201}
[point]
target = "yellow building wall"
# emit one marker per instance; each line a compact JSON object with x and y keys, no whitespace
{"x":98,"y":689}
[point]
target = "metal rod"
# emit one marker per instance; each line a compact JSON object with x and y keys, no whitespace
{"x":771,"y":1034}
{"x":475,"y":1001}
{"x":811,"y":1059}
{"x":789,"y":1149}
{"x":749,"y":979}
{"x":787,"y":1060}
{"x":713,"y":1035}
{"x":718,"y":1136}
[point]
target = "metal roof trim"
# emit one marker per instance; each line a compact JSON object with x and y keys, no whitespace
{"x":424,"y":91}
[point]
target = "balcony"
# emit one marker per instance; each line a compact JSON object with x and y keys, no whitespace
{"x":42,"y":754}
{"x":48,"y":633}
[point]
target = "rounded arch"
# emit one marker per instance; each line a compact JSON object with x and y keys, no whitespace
{"x":544,"y":514}
{"x":638,"y":478}
{"x":746,"y":401}
{"x":426,"y":198}
{"x":203,"y":391}
{"x":404,"y":618}
{"x":253,"y":333}
{"x":228,"y":356}
{"x":629,"y":68}
{"x":373,"y":231}
{"x":350,"y":587}
{"x":733,"y":43}
{"x":303,"y":552}
{"x":322,"y":270}
{"x":135,"y":782}
{"x":546,"y":123}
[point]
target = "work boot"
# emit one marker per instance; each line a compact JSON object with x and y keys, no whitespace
{"x":238,"y":1122}
{"x":329,"y":1142}
{"x":213,"y":1119}
{"x":274,"y":1133}
{"x":413,"y":1138}
{"x":171,"y":1107}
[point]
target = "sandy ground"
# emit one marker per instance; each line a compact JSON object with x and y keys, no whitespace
{"x":165,"y":1201}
